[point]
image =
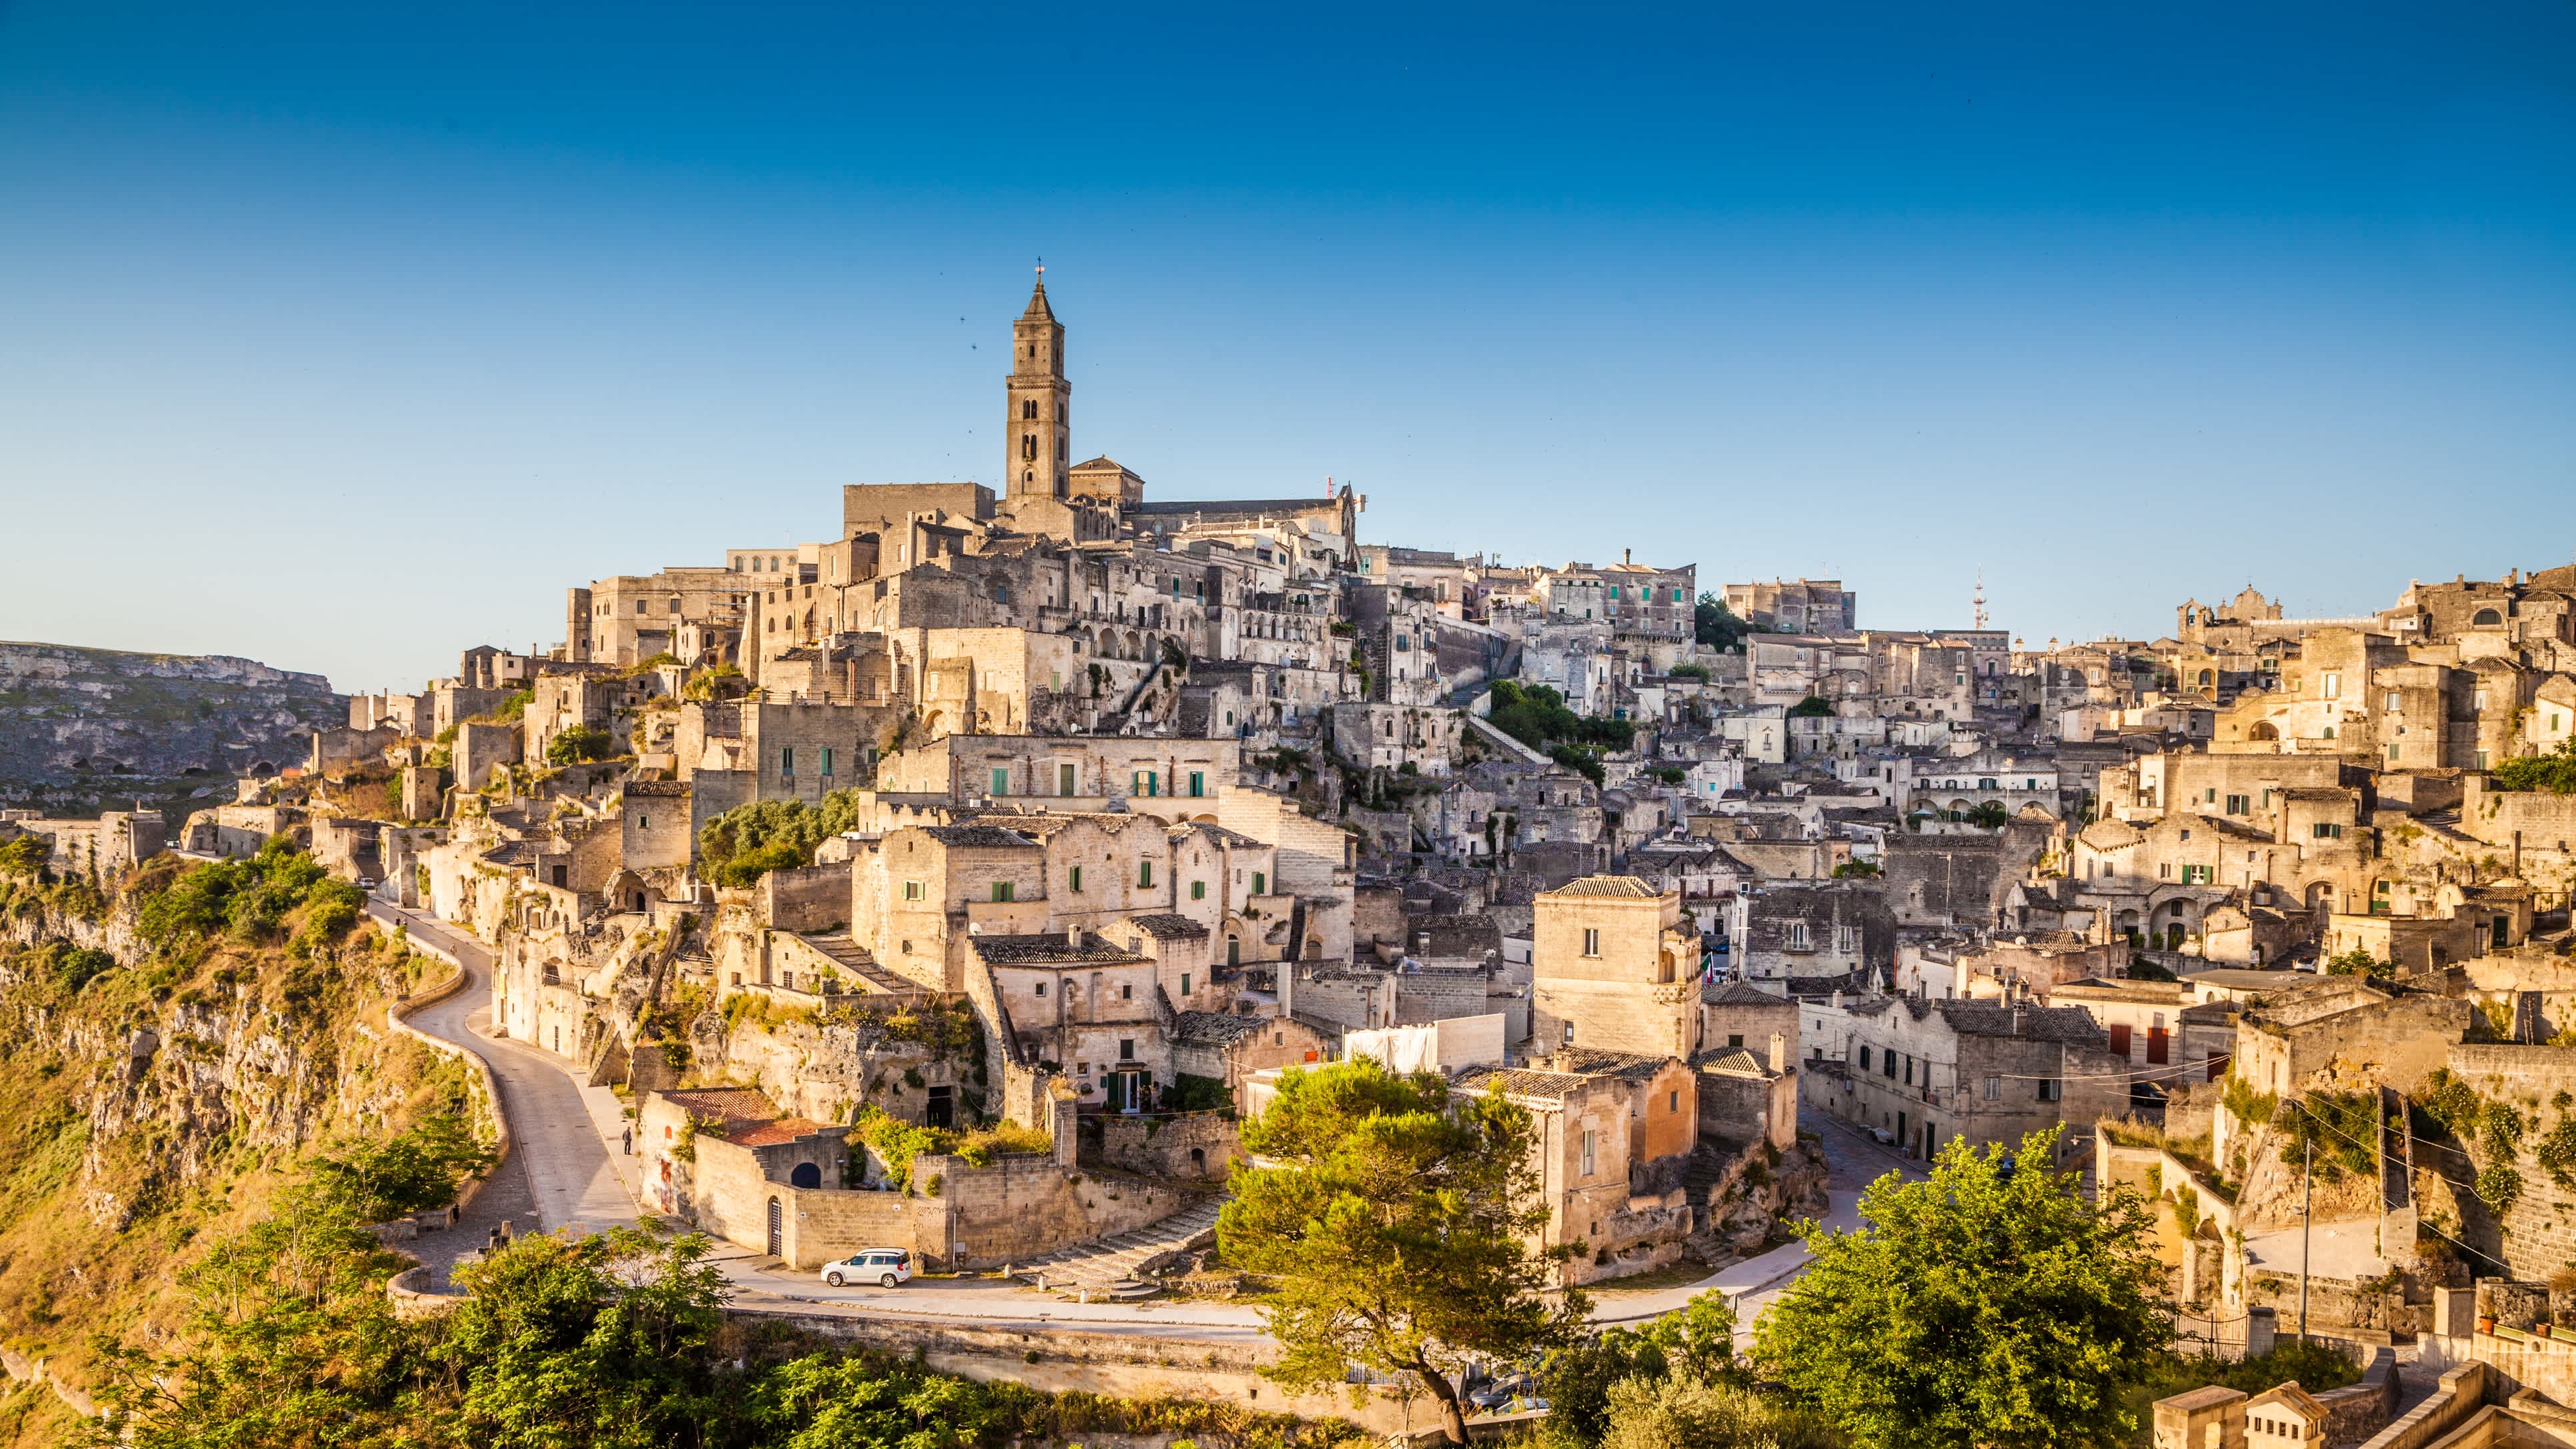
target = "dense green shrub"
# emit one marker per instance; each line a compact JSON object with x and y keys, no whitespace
{"x":2554,"y":772}
{"x":749,"y":841}
{"x":415,"y":1171}
{"x":250,"y":899}
{"x":578,"y":745}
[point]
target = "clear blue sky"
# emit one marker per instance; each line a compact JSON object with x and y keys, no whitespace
{"x":348,"y":335}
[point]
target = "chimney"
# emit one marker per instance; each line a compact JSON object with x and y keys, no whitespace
{"x":1779,"y":1052}
{"x":2016,"y":1018}
{"x":1627,"y":555}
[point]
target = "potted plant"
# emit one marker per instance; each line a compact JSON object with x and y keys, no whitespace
{"x":2486,"y":1323}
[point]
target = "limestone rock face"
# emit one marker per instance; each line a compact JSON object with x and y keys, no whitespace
{"x":83,"y":730}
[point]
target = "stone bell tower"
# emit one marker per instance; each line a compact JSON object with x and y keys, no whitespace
{"x":1038,"y":435}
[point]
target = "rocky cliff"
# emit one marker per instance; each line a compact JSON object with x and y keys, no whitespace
{"x":85,"y":730}
{"x":157,"y":1097}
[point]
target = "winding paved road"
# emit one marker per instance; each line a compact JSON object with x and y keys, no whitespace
{"x":560,"y":1174}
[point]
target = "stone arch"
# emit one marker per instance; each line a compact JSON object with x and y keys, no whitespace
{"x":2263,"y":730}
{"x":2487,"y":616}
{"x":805,"y":1174}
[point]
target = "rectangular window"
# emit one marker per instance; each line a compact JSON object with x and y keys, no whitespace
{"x":2051,"y":1090}
{"x":1994,"y":1088}
{"x":1126,"y":1048}
{"x":1146,"y":783}
{"x":1002,"y":890}
{"x":1260,"y":883}
{"x":1198,"y":782}
{"x":912,"y":890}
{"x":1591,"y":942}
{"x":2334,"y":686}
{"x":827,"y":760}
{"x":1064,"y":779}
{"x":786,"y":761}
{"x":1799,"y":940}
{"x":1073,"y":879}
{"x":1198,"y":890}
{"x":1144,"y":872}
{"x":1587,"y":1153}
{"x":1887,"y":1064}
{"x":1001,"y":779}
{"x":1864,"y":1056}
{"x":2236,"y":804}
{"x":1185,"y":985}
{"x":2393,"y":698}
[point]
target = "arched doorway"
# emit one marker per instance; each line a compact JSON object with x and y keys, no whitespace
{"x":805,"y":1174}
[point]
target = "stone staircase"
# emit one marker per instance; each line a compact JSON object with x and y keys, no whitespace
{"x":1107,"y":1269}
{"x":853,"y":958}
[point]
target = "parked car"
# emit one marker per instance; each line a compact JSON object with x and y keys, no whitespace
{"x":888,"y":1266}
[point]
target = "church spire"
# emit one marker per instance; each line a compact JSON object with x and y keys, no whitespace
{"x":1038,"y":426}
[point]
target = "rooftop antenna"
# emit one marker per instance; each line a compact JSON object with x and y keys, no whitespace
{"x":1977,"y":600}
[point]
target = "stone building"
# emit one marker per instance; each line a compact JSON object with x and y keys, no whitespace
{"x":1926,"y":1072}
{"x":1613,"y":968}
{"x":1612,"y":1150}
{"x":1783,"y":934}
{"x":1805,"y":606}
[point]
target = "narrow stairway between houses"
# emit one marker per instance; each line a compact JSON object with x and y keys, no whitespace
{"x":1108,"y":1270}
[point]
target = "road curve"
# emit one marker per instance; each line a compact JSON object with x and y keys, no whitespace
{"x":559,"y":1173}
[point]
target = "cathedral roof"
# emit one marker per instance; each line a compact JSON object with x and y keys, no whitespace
{"x":1038,"y":311}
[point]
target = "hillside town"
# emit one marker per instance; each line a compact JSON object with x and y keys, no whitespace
{"x":960,"y":878}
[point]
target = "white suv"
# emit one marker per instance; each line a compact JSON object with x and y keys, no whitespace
{"x":888,"y":1266}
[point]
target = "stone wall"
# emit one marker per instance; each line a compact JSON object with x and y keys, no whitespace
{"x":825,"y":1072}
{"x":808,"y":898}
{"x":1197,"y":1147}
{"x":1112,"y":1364}
{"x":2536,"y":1236}
{"x":819,"y":1224}
{"x":1026,"y":1205}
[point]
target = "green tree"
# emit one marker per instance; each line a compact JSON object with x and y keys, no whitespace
{"x":600,"y":1342}
{"x":1811,"y":707}
{"x":2359,"y":962}
{"x":748,"y":841}
{"x":2554,"y":772}
{"x":291,"y":1341}
{"x":1714,"y":624}
{"x":1989,"y":1307}
{"x":1686,"y":1411}
{"x":1396,"y":1229}
{"x":579,"y":744}
{"x":413,"y":1171}
{"x":1577,"y":1379}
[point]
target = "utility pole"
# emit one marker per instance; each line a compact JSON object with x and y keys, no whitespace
{"x":2307,"y":1192}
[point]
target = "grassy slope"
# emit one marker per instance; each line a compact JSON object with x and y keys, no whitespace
{"x":191,"y":1150}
